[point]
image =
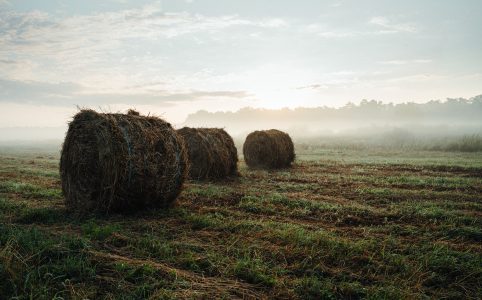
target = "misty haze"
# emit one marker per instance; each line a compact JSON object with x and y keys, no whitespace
{"x":204,"y":149}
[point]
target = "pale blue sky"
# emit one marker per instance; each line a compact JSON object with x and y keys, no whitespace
{"x":175,"y":57}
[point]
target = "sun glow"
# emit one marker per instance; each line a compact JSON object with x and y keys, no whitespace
{"x":278,"y":86}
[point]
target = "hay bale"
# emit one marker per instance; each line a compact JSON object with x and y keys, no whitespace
{"x":133,"y":112}
{"x":212,"y":153}
{"x":268,"y":149}
{"x":119,"y":163}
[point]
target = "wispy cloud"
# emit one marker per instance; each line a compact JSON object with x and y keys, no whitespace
{"x":405,"y":62}
{"x":415,"y":78}
{"x":324,"y":31}
{"x":392,"y":27}
{"x":149,"y":22}
{"x":334,"y":80}
{"x":84,"y":38}
{"x":387,"y":27}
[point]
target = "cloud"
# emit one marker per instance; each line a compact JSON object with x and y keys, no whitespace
{"x":42,"y":33}
{"x":311,"y":87}
{"x":334,"y":34}
{"x":327,"y":32}
{"x":57,"y":46}
{"x":369,"y":80}
{"x":7,"y":62}
{"x":391,"y":27}
{"x":274,"y":23}
{"x":405,"y":62}
{"x":333,"y":83}
{"x":324,"y":32}
{"x":422,"y":61}
{"x":416,"y":78}
{"x":67,"y":93}
{"x":124,"y":56}
{"x":13,"y":90}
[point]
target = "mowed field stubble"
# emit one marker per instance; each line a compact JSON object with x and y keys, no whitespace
{"x":339,"y":224}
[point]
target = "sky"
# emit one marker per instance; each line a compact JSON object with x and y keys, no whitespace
{"x":175,"y":57}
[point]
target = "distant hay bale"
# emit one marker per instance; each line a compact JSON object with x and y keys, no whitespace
{"x":119,"y":163}
{"x":268,"y":149}
{"x":212,"y":153}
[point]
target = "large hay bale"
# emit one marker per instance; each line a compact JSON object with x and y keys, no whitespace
{"x":268,"y":149}
{"x":212,"y":153}
{"x":119,"y":163}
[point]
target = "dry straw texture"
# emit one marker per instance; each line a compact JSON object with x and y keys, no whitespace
{"x":117,"y":162}
{"x":268,"y":149}
{"x":212,"y":153}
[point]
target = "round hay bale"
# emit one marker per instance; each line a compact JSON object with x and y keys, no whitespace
{"x":212,"y":153}
{"x":268,"y":149}
{"x":133,"y":112}
{"x":121,"y":163}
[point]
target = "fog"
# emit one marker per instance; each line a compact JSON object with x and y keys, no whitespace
{"x":435,"y":125}
{"x":431,"y":125}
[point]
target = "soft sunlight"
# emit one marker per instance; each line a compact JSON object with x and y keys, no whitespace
{"x":240,"y":149}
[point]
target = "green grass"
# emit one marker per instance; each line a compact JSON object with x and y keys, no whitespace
{"x":340,"y":224}
{"x":254,"y":270}
{"x":36,"y":265}
{"x":28,"y":190}
{"x":98,"y":232}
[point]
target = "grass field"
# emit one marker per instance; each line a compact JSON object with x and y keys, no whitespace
{"x":339,"y":224}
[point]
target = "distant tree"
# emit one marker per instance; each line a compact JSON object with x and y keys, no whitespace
{"x":452,"y":111}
